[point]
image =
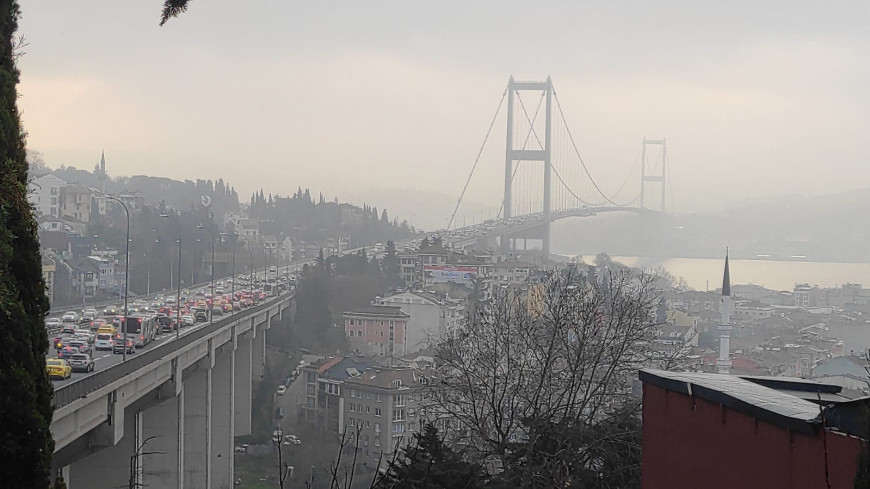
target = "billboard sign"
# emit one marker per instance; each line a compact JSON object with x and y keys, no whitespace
{"x":449,"y":273}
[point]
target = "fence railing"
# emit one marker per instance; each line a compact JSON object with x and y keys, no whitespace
{"x":84,"y":386}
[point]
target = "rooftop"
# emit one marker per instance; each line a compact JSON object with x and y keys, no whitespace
{"x":378,"y":310}
{"x":790,"y":403}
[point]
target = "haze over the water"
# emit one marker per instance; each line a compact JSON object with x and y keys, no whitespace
{"x":355,"y":98}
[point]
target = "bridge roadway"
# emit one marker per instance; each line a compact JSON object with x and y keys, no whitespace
{"x":181,"y":400}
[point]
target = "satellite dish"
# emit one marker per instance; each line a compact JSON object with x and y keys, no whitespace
{"x":206,"y":201}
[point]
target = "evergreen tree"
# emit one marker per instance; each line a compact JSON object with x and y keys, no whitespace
{"x":431,"y":464}
{"x":392,"y":272}
{"x":25,"y":407}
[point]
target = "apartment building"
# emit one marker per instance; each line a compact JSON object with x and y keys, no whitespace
{"x":384,"y":407}
{"x":377,"y":329}
{"x":431,"y":315}
{"x":43,"y":193}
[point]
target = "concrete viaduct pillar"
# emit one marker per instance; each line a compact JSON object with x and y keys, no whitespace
{"x":243,"y":382}
{"x":178,"y":434}
{"x":197,"y":424}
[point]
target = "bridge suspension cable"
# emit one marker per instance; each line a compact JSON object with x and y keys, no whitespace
{"x":477,"y":160}
{"x":577,"y":153}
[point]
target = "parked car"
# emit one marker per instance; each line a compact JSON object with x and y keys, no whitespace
{"x":118,"y":346}
{"x":282,"y":389}
{"x":292,"y":440}
{"x":81,"y":362}
{"x":58,"y":368}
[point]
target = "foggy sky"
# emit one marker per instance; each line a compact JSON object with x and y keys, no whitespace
{"x":355,"y":98}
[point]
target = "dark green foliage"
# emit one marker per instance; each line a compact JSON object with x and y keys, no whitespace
{"x":604,"y":456}
{"x":392,"y":272}
{"x":431,"y":464}
{"x":173,"y":8}
{"x":26,"y":445}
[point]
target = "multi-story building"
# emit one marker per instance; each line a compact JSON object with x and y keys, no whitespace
{"x":430,"y":316}
{"x":48,"y":269}
{"x":86,"y":277}
{"x":75,"y":203}
{"x":384,"y":406}
{"x":323,"y":387}
{"x":511,"y":272}
{"x":44,"y":194}
{"x":377,"y":329}
{"x":106,"y":266}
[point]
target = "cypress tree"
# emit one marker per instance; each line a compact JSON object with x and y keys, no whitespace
{"x":26,"y":444}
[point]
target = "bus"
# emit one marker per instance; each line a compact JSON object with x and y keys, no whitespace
{"x":141,"y":329}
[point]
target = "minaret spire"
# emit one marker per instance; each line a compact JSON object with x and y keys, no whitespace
{"x":724,"y":362}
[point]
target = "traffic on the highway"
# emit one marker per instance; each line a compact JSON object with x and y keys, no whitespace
{"x":91,"y":339}
{"x":85,"y":341}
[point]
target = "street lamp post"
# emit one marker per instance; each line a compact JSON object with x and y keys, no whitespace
{"x":232,"y":237}
{"x":251,"y":276}
{"x":178,"y":293}
{"x":211,"y":286}
{"x":126,"y":272}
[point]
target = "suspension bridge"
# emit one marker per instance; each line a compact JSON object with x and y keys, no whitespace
{"x":546,"y":177}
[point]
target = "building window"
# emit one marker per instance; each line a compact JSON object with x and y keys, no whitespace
{"x":352,"y":421}
{"x":378,"y":440}
{"x":411,"y":412}
{"x":412,"y":426}
{"x":351,"y":408}
{"x":367,"y":440}
{"x":378,"y":412}
{"x":398,"y":415}
{"x":368,"y":395}
{"x":398,"y":428}
{"x":377,"y":430}
{"x":378,"y":396}
{"x":368,"y":425}
{"x":352,"y":393}
{"x":368,"y":409}
{"x":399,"y":400}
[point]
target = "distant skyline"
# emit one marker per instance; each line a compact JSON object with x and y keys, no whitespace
{"x":353,"y":99}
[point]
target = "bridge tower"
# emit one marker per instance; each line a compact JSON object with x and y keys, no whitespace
{"x":519,"y":155}
{"x":654,"y":178}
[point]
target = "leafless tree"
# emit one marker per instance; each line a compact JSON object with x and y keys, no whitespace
{"x":137,"y":475}
{"x":562,"y":353}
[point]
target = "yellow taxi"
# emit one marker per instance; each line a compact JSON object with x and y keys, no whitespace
{"x":107,"y":329}
{"x":58,"y":368}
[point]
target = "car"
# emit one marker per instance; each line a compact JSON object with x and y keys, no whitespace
{"x":70,"y":317}
{"x":118,"y":347}
{"x":243,"y":448}
{"x":68,"y":328}
{"x":52,"y":323}
{"x":84,"y":335}
{"x":66,"y":351}
{"x":273,"y":269}
{"x":111,"y":311}
{"x":170,"y":300}
{"x":282,"y":389}
{"x":104,"y":341}
{"x":81,"y":362}
{"x":201,"y":316}
{"x":188,"y":320}
{"x":81,"y":346}
{"x":58,"y":368}
{"x":292,"y":440}
{"x":89,"y":313}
